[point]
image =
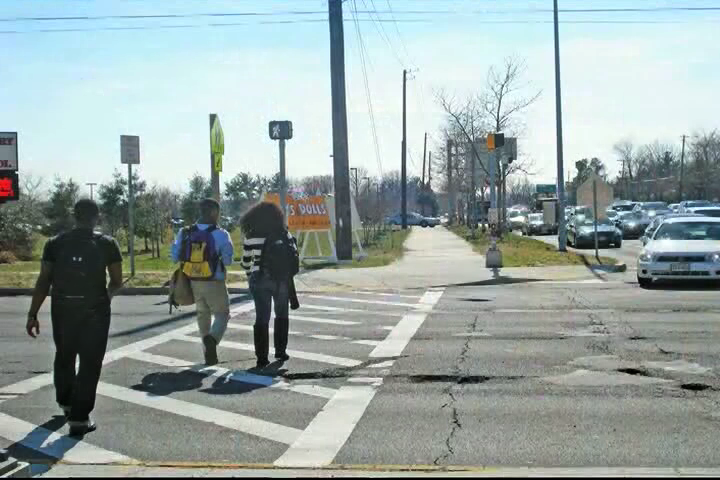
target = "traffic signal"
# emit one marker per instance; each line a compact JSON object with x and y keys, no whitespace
{"x":495,"y":140}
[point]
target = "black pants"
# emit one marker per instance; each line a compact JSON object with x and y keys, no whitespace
{"x":80,"y":331}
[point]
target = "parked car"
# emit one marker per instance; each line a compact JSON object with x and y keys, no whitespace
{"x":681,"y":248}
{"x":674,"y":207}
{"x":413,"y":219}
{"x":516,"y":219}
{"x":692,"y":204}
{"x":581,"y":233}
{"x":651,"y":209}
{"x":536,"y":226}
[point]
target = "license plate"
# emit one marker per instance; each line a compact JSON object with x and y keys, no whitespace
{"x":679,"y":267}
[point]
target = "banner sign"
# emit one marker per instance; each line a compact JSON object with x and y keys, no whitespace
{"x":304,"y":212}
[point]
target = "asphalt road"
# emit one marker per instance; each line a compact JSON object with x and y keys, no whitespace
{"x":586,"y":373}
{"x":626,"y":254}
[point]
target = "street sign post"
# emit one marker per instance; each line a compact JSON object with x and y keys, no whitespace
{"x":217,"y":150}
{"x":9,"y":181}
{"x":8,"y":151}
{"x":130,"y":155}
{"x":281,"y":130}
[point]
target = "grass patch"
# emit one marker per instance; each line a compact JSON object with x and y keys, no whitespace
{"x":386,"y":247}
{"x":520,"y":251}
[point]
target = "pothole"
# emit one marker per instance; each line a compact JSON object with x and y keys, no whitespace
{"x":633,"y":371}
{"x":695,"y":387}
{"x":637,"y":337}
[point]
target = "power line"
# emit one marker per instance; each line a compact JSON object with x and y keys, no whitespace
{"x":368,"y":96}
{"x":383,"y":34}
{"x":397,"y":29}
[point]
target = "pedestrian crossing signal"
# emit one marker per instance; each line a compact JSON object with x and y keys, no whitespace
{"x":495,"y":140}
{"x":9,"y":186}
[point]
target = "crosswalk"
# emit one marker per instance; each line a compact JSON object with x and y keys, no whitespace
{"x":340,"y":346}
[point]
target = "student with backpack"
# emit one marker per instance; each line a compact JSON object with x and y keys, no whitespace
{"x":74,"y":264}
{"x":271,"y":260}
{"x":204,"y":251}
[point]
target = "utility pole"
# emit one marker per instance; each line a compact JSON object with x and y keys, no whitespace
{"x":682,"y":168}
{"x":562,"y":233}
{"x":451,"y":187}
{"x":283,"y":182}
{"x":131,"y":221}
{"x":429,"y":182}
{"x":343,"y":219}
{"x":91,"y":185}
{"x":355,"y":172}
{"x":424,"y":159}
{"x":403,"y":160}
{"x":473,"y":189}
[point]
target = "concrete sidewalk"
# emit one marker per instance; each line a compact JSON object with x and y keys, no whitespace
{"x":434,"y":257}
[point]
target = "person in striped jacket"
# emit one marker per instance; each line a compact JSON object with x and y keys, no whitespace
{"x":262,"y":223}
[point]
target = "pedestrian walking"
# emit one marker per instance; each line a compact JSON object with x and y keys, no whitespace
{"x":271,"y":259}
{"x":205,"y":251}
{"x":74,"y":264}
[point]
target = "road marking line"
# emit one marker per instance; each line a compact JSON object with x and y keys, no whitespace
{"x":399,"y":295}
{"x":56,"y":445}
{"x":386,"y":364}
{"x":373,"y":380}
{"x":400,"y":336}
{"x":249,"y":328}
{"x":328,"y":337}
{"x":234,"y":375}
{"x":360,"y":300}
{"x":328,"y":321}
{"x":321,"y":441}
{"x":234,"y":421}
{"x":372,"y":343}
{"x":343,"y":310}
{"x":315,"y":357}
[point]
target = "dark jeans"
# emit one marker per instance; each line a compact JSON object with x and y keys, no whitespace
{"x":80,"y":331}
{"x":264,"y":291}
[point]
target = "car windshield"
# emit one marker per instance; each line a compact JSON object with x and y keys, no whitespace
{"x":515,"y":214}
{"x":623,"y":207}
{"x":700,"y":203}
{"x":655,"y":206}
{"x":689,"y":231}
{"x":709,"y":212}
{"x":536,"y":217}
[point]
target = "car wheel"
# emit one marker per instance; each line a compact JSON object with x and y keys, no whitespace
{"x":618,"y":244}
{"x":644,"y":282}
{"x":424,"y":224}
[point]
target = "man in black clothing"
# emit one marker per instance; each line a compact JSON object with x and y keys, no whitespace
{"x":74,"y":265}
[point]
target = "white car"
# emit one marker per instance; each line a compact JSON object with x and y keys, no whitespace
{"x":682,"y":248}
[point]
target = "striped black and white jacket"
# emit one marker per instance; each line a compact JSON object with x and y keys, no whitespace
{"x":252,"y":252}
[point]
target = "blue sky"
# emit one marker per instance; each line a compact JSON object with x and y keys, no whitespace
{"x":70,"y":95}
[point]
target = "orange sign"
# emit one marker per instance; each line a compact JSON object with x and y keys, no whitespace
{"x":304,"y":212}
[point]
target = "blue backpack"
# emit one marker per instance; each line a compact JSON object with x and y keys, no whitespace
{"x":198,"y":253}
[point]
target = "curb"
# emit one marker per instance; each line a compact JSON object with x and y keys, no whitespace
{"x":619,"y":268}
{"x":125,"y":292}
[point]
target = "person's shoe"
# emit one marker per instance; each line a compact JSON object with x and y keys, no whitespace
{"x":78,"y":429}
{"x":210,"y":344}
{"x":262,"y":363}
{"x":282,"y":356}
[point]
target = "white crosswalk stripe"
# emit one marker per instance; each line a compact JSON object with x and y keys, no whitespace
{"x":360,"y":300}
{"x":233,"y":421}
{"x":315,"y":357}
{"x":234,"y":375}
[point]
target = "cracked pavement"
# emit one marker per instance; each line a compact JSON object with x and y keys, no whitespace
{"x":553,"y":375}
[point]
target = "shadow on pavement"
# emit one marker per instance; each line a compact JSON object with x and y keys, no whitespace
{"x":690,"y":286}
{"x":173,"y":319}
{"x":28,"y":449}
{"x":165,"y":383}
